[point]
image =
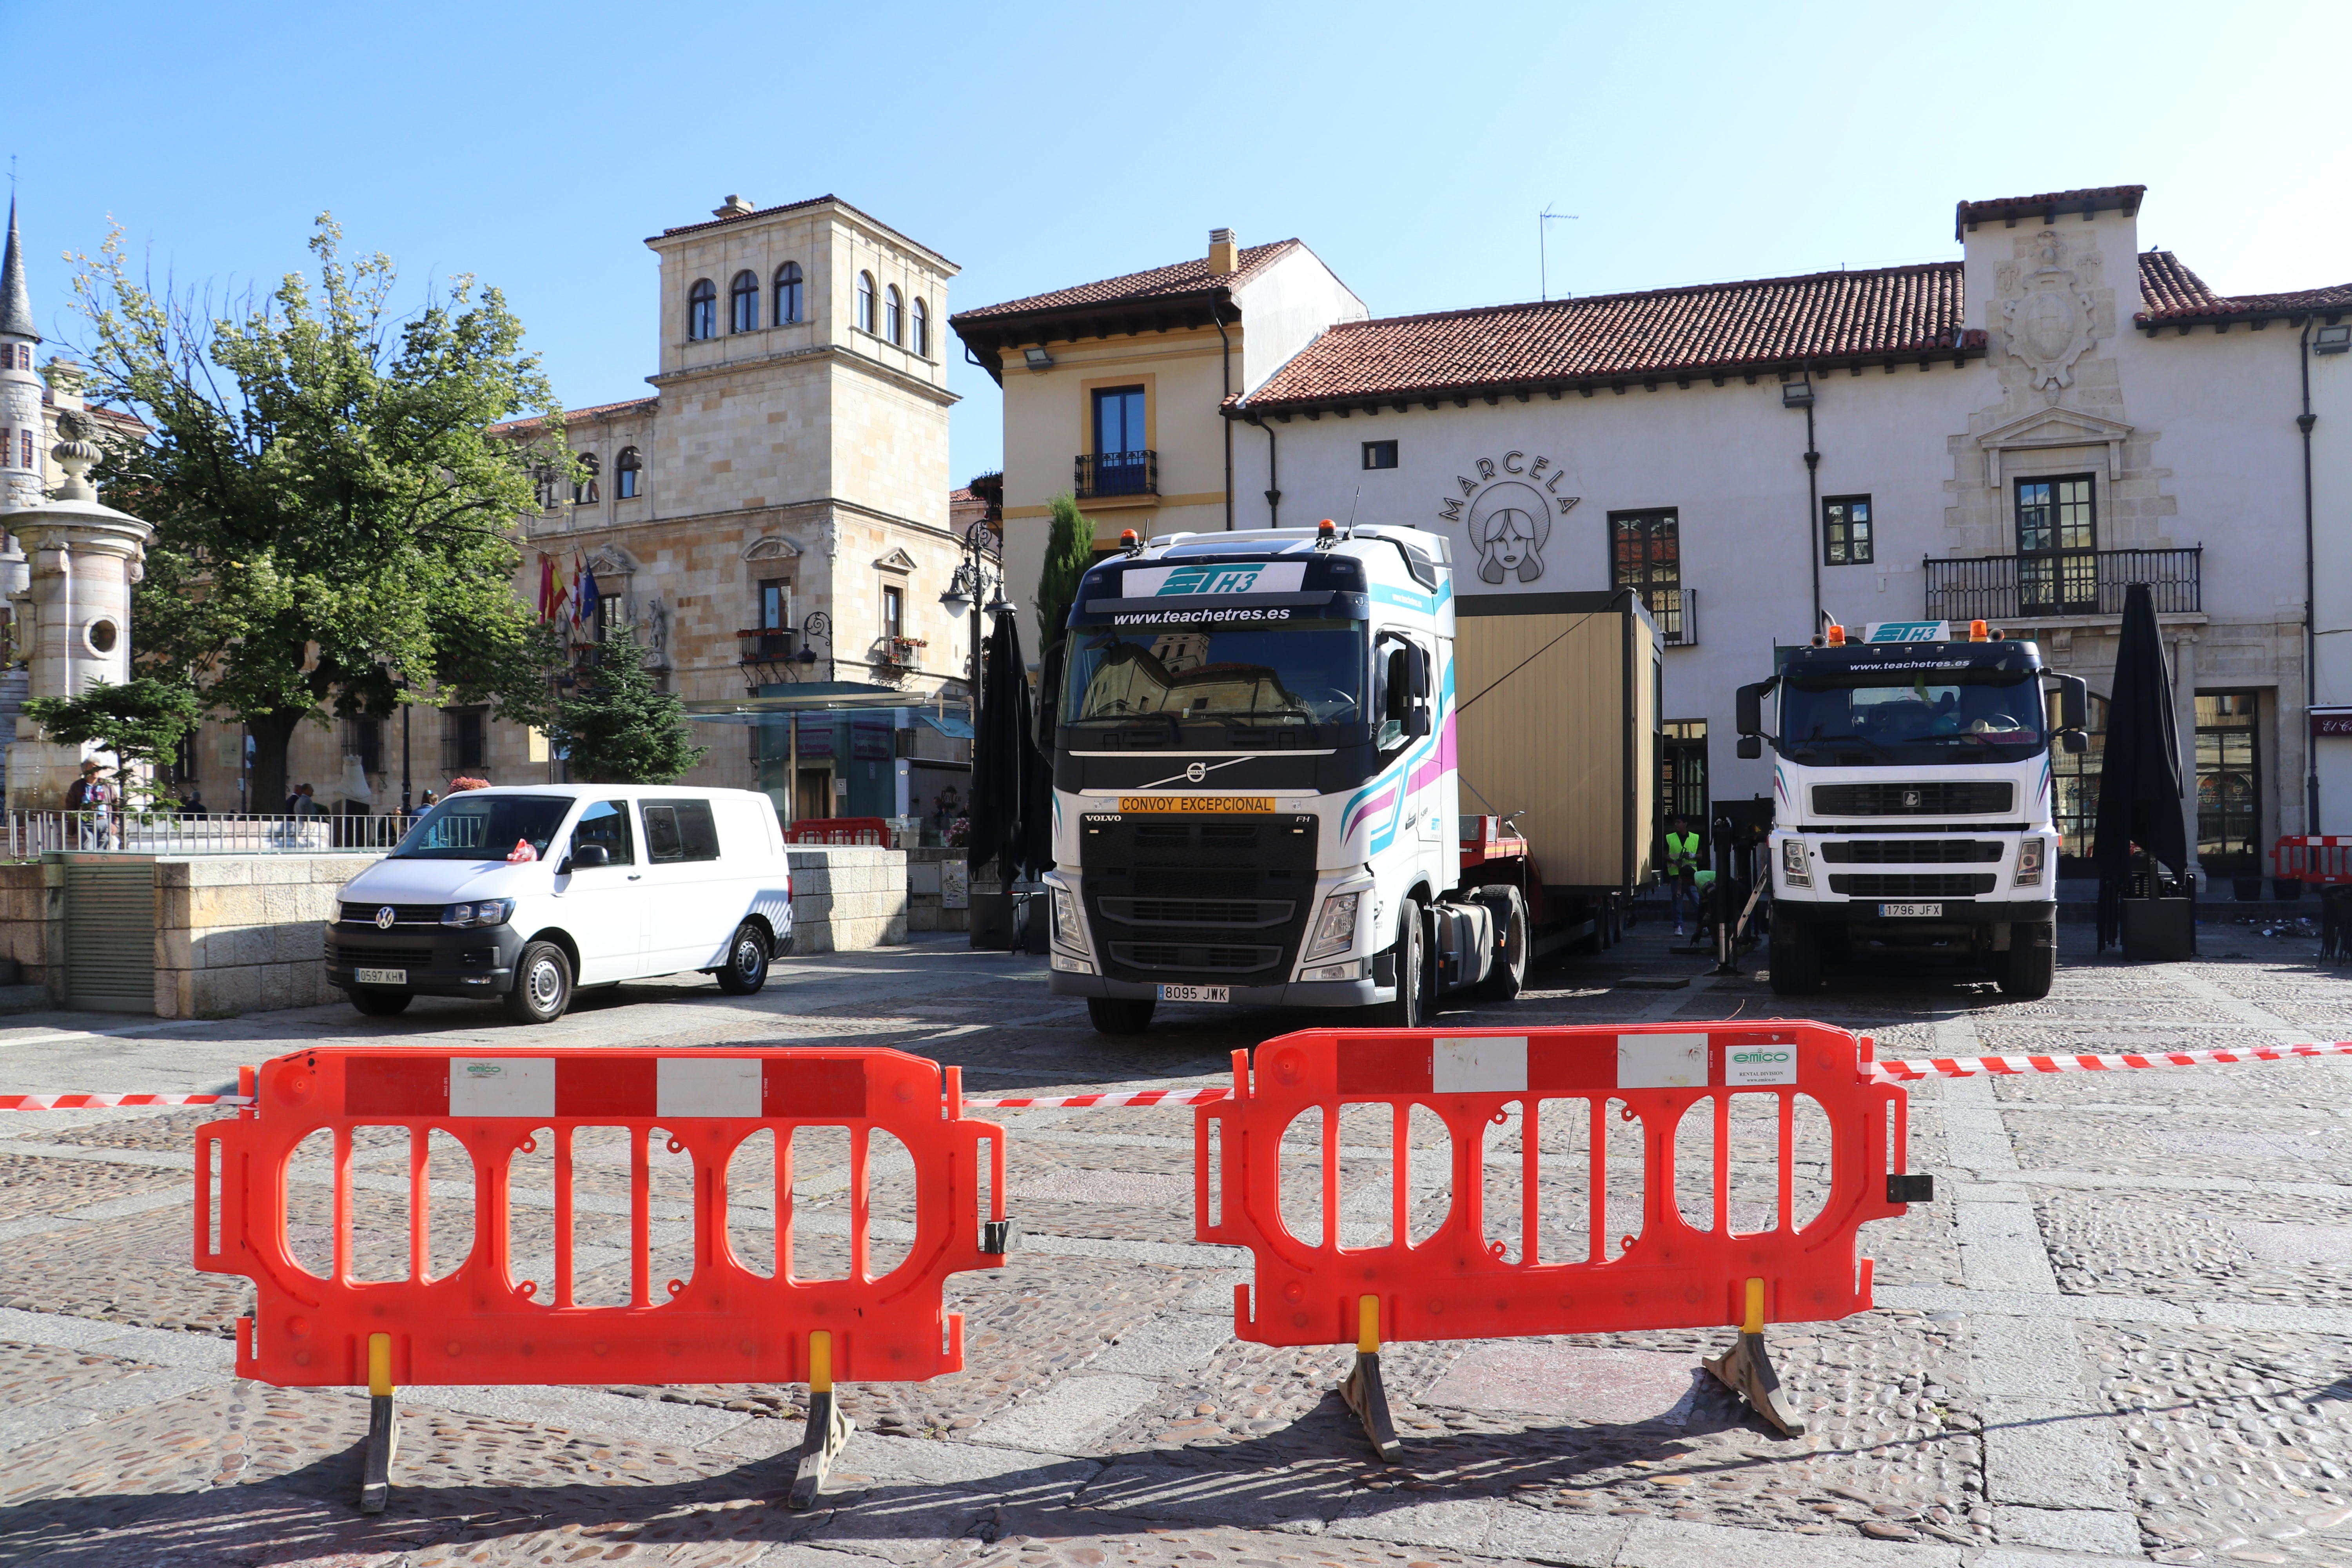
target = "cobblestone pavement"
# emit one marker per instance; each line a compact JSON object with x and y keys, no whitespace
{"x":2120,"y":1332}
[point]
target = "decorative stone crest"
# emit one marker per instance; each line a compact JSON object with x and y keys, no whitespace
{"x":2049,"y":327}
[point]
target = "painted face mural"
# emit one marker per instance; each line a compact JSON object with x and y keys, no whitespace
{"x":1509,"y":527}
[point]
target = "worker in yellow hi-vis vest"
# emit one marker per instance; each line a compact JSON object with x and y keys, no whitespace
{"x":1682,"y":867}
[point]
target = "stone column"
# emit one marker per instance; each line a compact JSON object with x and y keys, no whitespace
{"x":84,"y":560}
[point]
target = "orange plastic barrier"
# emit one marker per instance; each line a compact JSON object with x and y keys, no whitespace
{"x":845,"y":830}
{"x":1468,"y":1277}
{"x":491,"y":1320}
{"x":2325,"y":860}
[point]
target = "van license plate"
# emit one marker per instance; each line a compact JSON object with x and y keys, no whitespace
{"x":1196,"y":993}
{"x":381,"y":976}
{"x":1910,"y":911}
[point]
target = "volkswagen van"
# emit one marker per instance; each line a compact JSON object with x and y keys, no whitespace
{"x":531,"y":893}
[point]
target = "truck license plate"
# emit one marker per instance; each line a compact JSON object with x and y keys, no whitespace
{"x":1196,"y":993}
{"x":381,"y":976}
{"x":1910,"y":911}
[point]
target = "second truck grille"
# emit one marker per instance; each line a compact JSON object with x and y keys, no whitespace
{"x":1918,"y":885}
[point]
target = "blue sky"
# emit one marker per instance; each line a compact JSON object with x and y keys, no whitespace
{"x":1410,"y":144}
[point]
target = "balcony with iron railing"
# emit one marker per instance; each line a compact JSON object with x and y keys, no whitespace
{"x":2074,"y":582}
{"x":766,"y":645}
{"x":1102,"y":474}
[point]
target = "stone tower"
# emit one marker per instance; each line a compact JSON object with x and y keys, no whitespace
{"x":20,"y":387}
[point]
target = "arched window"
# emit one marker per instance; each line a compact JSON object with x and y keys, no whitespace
{"x":583,"y":488}
{"x":627,"y":469}
{"x":702,"y":310}
{"x":865,"y":302}
{"x":744,"y":303}
{"x":894,"y":314}
{"x":788,"y":293}
{"x":922,"y":344}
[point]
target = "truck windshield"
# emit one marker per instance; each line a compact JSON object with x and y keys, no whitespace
{"x":1308,"y":672}
{"x":474,"y":826}
{"x":1857,"y":718}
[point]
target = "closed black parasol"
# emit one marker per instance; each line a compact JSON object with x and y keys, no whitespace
{"x":2139,"y":784}
{"x":1010,"y":800}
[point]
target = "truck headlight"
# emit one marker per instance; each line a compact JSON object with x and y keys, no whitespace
{"x":488,"y":913}
{"x":1068,"y":928}
{"x":1334,"y":929}
{"x":2029,"y":862}
{"x":1794,"y":868}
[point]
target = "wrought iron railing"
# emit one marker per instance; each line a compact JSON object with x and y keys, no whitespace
{"x":2077,"y":583}
{"x":1117,"y":474}
{"x":766,"y":645}
{"x":28,"y":835}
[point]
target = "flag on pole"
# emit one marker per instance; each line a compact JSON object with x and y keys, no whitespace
{"x":551,"y":595}
{"x":588,"y":599}
{"x":579,"y":569}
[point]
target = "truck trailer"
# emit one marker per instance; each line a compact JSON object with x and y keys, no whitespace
{"x":1912,"y":801}
{"x":1259,"y":744}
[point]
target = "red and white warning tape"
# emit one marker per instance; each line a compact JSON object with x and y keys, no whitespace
{"x":1972,"y":1067}
{"x":1879,"y":1072}
{"x":108,"y":1102}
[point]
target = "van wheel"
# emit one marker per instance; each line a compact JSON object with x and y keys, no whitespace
{"x":542,"y":987}
{"x":1509,"y":974}
{"x":381,"y":1004}
{"x":746,"y":969}
{"x":1410,"y":1007}
{"x":1120,"y":1014}
{"x":1794,"y":957}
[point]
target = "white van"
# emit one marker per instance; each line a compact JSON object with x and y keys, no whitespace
{"x":528,"y":893}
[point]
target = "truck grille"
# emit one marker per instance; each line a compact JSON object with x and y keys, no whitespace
{"x":1171,"y":897}
{"x":1198,"y":911}
{"x":1917,"y":885}
{"x":1907,"y":852}
{"x":1956,"y":797}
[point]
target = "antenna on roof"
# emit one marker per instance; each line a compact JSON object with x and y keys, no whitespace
{"x":1543,"y":261}
{"x":1351,"y":511}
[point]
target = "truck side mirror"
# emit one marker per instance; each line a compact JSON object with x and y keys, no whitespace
{"x":1397,"y":694}
{"x":1417,"y":662}
{"x":2073,"y":704}
{"x":2073,"y":742}
{"x":1751,"y":747}
{"x":1748,"y":710}
{"x":1416,"y":721}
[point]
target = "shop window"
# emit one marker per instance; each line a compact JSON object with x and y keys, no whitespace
{"x":1845,"y":531}
{"x":2228,"y":785}
{"x":1379,"y":454}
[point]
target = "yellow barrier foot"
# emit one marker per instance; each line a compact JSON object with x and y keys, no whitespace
{"x":827,"y":1433}
{"x":1746,"y":1370}
{"x":383,"y":1446}
{"x":1370,"y":1401}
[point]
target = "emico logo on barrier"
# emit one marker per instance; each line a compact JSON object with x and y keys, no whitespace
{"x":1647,"y":1161}
{"x":501,"y":1315}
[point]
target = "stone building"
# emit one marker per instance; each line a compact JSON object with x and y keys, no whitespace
{"x":2013,"y":434}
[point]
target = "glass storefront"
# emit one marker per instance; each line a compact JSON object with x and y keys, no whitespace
{"x":2228,"y":785}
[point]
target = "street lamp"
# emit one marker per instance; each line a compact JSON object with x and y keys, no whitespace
{"x":977,"y":577}
{"x":817,"y":624}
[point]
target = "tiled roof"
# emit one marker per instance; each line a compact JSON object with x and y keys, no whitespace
{"x":573,"y":416}
{"x":1171,"y":282}
{"x":1766,"y":324}
{"x":2166,"y":286}
{"x":793,"y":206}
{"x":2049,"y":205}
{"x":2175,"y":294}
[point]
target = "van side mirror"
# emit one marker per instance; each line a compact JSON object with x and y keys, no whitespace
{"x":1750,"y":747}
{"x":584,"y":855}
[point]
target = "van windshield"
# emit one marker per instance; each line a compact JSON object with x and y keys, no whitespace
{"x":477,"y":826}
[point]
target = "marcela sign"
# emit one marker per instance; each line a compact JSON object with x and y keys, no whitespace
{"x":1507,"y":512}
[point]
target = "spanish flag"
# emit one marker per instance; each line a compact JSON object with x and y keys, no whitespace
{"x":551,"y":590}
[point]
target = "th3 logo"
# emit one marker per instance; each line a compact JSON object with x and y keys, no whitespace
{"x":1209,"y":580}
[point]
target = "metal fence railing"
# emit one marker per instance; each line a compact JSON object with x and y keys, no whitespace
{"x":2080,"y":582}
{"x":27,"y":835}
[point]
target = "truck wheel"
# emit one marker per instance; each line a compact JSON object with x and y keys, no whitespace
{"x":1411,"y":1008}
{"x":1794,"y":957}
{"x":1509,"y":974}
{"x":2029,"y":970}
{"x":1120,"y":1014}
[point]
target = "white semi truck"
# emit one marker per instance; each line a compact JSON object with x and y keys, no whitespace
{"x":1912,"y":803}
{"x":1260,"y":741}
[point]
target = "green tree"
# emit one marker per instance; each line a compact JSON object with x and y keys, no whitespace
{"x":141,"y":720}
{"x":334,"y":523}
{"x":619,"y":728}
{"x":1069,"y":551}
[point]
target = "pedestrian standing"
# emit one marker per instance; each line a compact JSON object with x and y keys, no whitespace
{"x":1682,"y":869}
{"x":91,"y":800}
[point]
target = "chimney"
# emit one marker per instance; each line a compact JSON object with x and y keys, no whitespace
{"x":1225,"y":256}
{"x":733,"y":207}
